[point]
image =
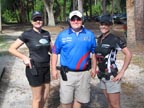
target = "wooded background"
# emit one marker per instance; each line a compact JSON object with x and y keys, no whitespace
{"x":55,"y":11}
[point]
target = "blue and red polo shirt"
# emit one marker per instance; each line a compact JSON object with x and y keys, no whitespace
{"x":75,"y":49}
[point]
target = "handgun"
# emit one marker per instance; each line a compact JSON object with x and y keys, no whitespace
{"x":63,"y":71}
{"x":33,"y":69}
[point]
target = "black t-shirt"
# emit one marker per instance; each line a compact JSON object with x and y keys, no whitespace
{"x":106,"y":51}
{"x":38,"y":44}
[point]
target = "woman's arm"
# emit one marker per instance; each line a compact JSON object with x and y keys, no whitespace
{"x":54,"y":63}
{"x":127,"y":58}
{"x":126,"y":63}
{"x":13,"y":50}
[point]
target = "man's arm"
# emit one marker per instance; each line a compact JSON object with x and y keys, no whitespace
{"x":94,"y":65}
{"x":54,"y":63}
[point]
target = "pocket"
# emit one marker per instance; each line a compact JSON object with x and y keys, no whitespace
{"x":32,"y":70}
{"x":42,"y":64}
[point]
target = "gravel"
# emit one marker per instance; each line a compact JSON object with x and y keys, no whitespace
{"x":15,"y":91}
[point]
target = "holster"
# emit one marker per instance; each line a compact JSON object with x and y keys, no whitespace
{"x":63,"y":71}
{"x":38,"y":65}
{"x":89,"y":63}
{"x":107,"y":75}
{"x":33,"y":68}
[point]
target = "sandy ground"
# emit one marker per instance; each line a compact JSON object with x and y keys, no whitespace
{"x":15,"y":91}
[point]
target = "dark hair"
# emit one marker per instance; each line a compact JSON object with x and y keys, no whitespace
{"x":106,"y":19}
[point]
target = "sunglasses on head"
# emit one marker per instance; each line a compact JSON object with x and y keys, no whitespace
{"x":76,"y":19}
{"x":37,"y":19}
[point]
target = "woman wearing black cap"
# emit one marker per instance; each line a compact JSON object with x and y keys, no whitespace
{"x":38,"y":41}
{"x":106,"y":50}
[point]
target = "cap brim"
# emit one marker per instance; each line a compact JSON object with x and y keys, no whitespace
{"x":105,"y":22}
{"x":36,"y":16}
{"x":76,"y":16}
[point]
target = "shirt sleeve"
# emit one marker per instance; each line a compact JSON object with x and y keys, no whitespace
{"x":22,"y":37}
{"x":57,"y":45}
{"x":120,"y":43}
{"x":93,"y":43}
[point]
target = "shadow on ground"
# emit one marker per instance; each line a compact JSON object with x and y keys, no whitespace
{"x":4,"y":82}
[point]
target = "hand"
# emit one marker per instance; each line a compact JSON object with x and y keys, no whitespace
{"x":55,"y":74}
{"x":118,"y":77}
{"x":93,"y":73}
{"x":27,"y":62}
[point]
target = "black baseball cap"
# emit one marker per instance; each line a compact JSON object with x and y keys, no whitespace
{"x":106,"y":19}
{"x":36,"y":14}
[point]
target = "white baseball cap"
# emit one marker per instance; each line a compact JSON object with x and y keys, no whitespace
{"x":75,"y":13}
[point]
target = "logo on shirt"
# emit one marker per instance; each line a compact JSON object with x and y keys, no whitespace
{"x":43,"y":41}
{"x":45,"y":35}
{"x":105,"y":45}
{"x":86,"y":38}
{"x":66,"y":39}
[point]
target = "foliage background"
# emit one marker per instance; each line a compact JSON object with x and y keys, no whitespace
{"x":19,"y":11}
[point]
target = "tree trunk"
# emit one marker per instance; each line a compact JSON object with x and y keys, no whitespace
{"x":64,"y":10}
{"x":57,"y":11}
{"x":95,"y":2}
{"x":49,"y":8}
{"x":139,"y":19}
{"x":22,"y":13}
{"x":90,"y":8}
{"x":45,"y":16}
{"x":112,"y":11}
{"x":104,"y":6}
{"x":131,"y":39}
{"x":0,"y":19}
{"x":74,"y":4}
{"x":71,"y":5}
{"x":80,"y":5}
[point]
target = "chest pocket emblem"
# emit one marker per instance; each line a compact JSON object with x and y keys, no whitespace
{"x":103,"y":49}
{"x":43,"y":41}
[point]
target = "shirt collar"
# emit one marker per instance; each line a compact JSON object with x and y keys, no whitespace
{"x":82,"y":30}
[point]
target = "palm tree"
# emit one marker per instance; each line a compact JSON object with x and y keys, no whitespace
{"x":131,"y":38}
{"x":139,"y":19}
{"x":0,"y":19}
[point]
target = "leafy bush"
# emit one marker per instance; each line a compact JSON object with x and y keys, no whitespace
{"x":97,"y":9}
{"x":9,"y":16}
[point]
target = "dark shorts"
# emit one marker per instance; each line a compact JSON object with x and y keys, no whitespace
{"x":42,"y":77}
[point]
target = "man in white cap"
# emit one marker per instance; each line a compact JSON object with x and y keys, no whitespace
{"x":74,"y":46}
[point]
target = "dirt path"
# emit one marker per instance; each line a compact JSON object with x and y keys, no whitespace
{"x":15,"y":91}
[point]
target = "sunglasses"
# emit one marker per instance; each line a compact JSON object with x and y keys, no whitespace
{"x":76,"y":19}
{"x":103,"y":27}
{"x":37,"y":19}
{"x":105,"y":24}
